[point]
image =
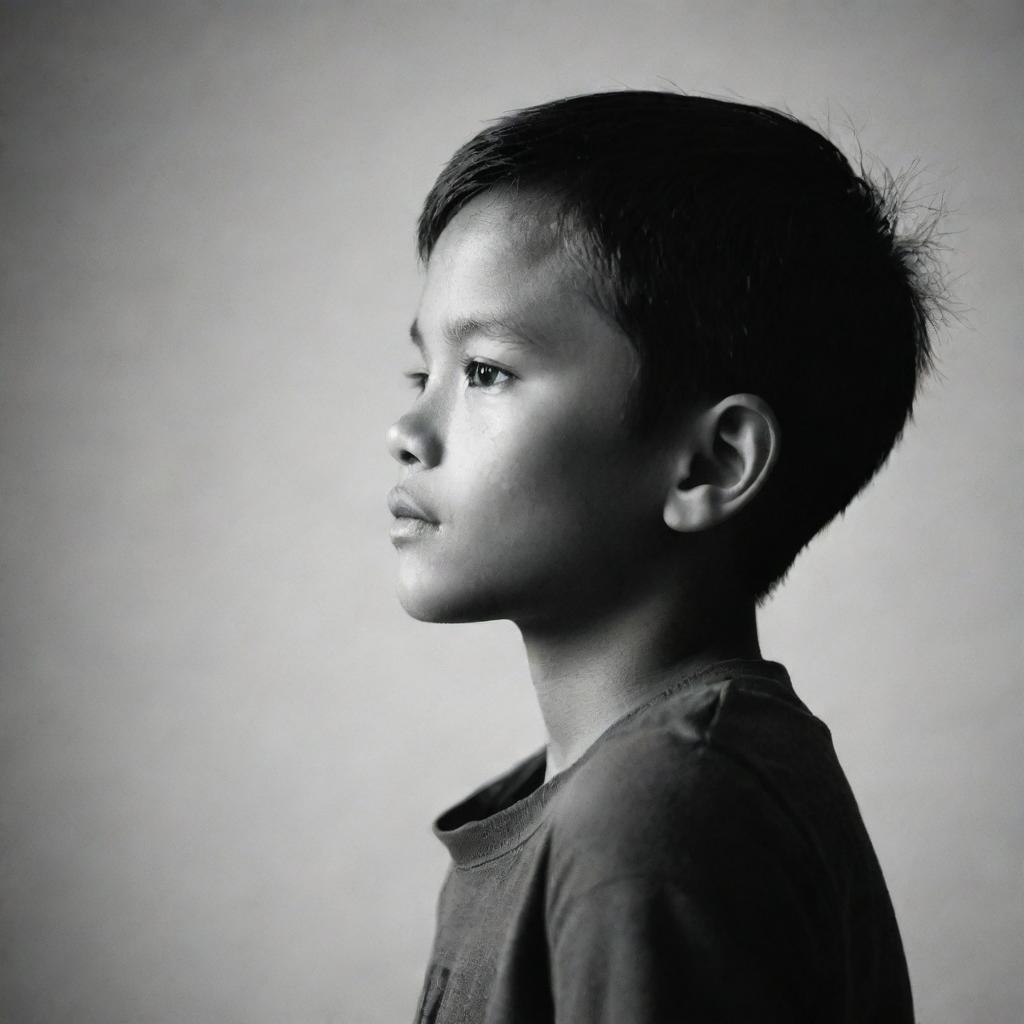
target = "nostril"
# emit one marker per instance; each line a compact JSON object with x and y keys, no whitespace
{"x":411,"y":441}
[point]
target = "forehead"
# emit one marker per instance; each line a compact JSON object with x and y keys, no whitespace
{"x":520,"y":229}
{"x":503,"y":258}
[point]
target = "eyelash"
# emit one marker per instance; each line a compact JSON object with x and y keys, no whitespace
{"x":418,"y":378}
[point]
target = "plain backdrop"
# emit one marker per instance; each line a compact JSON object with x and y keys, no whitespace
{"x":222,"y":742}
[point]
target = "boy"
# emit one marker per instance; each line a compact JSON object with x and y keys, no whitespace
{"x":665,"y":340}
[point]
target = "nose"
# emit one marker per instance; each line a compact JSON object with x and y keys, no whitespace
{"x":411,"y":442}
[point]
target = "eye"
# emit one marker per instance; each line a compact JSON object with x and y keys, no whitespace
{"x":483,"y":375}
{"x":417,"y":379}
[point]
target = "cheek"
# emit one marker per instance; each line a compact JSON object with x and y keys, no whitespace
{"x":545,"y":480}
{"x":533,"y":513}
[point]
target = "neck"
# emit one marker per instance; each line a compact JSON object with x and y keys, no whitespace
{"x":588,"y":675}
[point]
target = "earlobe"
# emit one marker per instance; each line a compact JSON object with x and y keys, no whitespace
{"x":723,"y":461}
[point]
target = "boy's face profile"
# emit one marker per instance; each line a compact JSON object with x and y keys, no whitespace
{"x":543,"y":503}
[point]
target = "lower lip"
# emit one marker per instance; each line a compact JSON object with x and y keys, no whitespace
{"x":404,"y":528}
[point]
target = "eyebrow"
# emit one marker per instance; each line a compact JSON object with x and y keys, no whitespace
{"x":458,"y":331}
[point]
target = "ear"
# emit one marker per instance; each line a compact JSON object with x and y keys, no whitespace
{"x":724,"y":459}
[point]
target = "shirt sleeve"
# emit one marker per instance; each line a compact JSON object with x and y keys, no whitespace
{"x":636,"y":950}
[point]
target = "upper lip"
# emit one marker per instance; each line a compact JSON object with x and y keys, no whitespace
{"x":404,"y":506}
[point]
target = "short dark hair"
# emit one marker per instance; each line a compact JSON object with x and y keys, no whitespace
{"x":740,"y":252}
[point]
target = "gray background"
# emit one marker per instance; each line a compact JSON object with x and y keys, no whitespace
{"x":222,"y":741}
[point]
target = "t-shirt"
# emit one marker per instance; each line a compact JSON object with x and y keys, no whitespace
{"x":704,"y":861}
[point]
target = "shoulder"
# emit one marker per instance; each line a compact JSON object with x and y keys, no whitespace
{"x":690,"y":786}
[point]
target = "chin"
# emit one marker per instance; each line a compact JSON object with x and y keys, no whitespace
{"x":438,"y":604}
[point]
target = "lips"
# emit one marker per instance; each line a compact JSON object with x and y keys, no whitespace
{"x":412,"y":521}
{"x":404,"y":506}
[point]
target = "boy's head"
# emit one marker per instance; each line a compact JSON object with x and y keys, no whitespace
{"x":687,"y":250}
